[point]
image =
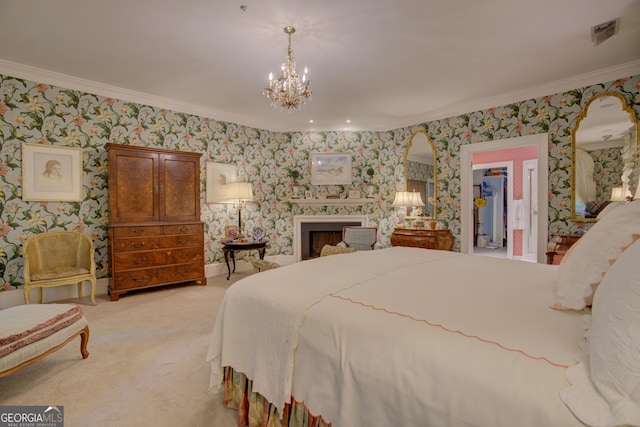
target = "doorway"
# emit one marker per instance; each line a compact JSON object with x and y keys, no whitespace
{"x":540,"y":142}
{"x":493,"y":182}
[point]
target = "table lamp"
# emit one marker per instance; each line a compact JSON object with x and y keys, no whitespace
{"x":406,"y":199}
{"x":240,"y":193}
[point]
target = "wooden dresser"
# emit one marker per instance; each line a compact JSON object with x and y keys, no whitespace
{"x":422,"y":238}
{"x":558,"y":246}
{"x":155,"y":233}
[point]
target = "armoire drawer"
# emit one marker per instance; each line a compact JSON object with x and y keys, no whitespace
{"x":143,"y":259}
{"x":158,"y":242}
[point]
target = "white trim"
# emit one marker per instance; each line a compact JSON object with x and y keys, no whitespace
{"x":69,"y":82}
{"x":527,"y":165}
{"x":298,"y":220}
{"x":509,"y":196}
{"x":541,"y":141}
{"x":331,"y":202}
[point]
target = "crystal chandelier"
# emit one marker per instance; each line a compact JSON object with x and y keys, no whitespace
{"x":288,"y":91}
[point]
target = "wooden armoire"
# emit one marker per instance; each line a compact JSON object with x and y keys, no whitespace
{"x":155,"y":233}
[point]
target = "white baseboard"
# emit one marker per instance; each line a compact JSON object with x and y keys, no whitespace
{"x":59,"y":293}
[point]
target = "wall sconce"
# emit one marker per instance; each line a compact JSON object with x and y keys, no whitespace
{"x":240,"y":193}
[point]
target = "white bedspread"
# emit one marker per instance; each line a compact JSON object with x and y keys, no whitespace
{"x":426,"y":337}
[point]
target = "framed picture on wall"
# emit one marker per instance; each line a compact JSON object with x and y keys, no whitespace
{"x":51,"y":173}
{"x":218,"y":175}
{"x":330,"y":169}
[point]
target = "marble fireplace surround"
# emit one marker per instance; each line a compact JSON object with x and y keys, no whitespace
{"x":299,"y":220}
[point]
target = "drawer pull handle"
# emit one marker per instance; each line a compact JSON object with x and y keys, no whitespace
{"x":137,"y":245}
{"x":184,"y":273}
{"x":139,"y":279}
{"x":183,"y":242}
{"x":140,"y":261}
{"x":186,"y":256}
{"x":184,"y":229}
{"x":137,"y":230}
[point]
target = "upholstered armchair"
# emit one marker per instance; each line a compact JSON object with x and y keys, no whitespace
{"x":58,"y":258}
{"x":361,"y":238}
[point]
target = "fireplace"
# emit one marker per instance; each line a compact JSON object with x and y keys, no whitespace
{"x":312,"y":232}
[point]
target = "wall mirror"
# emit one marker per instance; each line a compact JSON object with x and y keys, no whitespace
{"x":604,"y":156}
{"x":420,"y":172}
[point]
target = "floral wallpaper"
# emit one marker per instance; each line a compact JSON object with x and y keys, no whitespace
{"x":605,"y":162}
{"x":42,"y":114}
{"x":419,"y":171}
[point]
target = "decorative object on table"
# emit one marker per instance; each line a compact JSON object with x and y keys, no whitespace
{"x":231,"y":233}
{"x":331,"y":169}
{"x":404,"y":200}
{"x":308,"y":194}
{"x":294,"y":174}
{"x":296,"y":192}
{"x":288,"y":91}
{"x":370,"y":187}
{"x":51,"y":173}
{"x":218,"y":175}
{"x":418,"y":223}
{"x":239,"y":193}
{"x":354,"y":194}
{"x":258,"y":233}
{"x":433,"y":225}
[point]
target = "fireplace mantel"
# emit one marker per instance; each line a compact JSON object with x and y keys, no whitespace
{"x":331,"y":202}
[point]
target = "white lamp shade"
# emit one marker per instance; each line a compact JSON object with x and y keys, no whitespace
{"x":407,"y":199}
{"x":616,"y":194}
{"x":238,"y":191}
{"x":416,"y":199}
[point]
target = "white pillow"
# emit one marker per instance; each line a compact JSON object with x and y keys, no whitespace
{"x":614,"y":343}
{"x":587,"y":261}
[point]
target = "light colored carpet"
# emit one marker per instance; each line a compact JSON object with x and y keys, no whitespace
{"x":146,"y":365}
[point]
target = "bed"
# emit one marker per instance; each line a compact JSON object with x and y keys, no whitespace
{"x":408,"y":336}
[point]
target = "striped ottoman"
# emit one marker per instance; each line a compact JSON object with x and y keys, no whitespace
{"x":30,"y":332}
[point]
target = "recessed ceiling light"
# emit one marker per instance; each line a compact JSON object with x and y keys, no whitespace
{"x":311,"y":121}
{"x":348,"y":121}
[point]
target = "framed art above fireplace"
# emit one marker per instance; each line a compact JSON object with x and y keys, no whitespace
{"x":330,"y":169}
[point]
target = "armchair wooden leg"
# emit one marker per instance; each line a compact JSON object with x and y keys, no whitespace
{"x":26,"y":294}
{"x":80,"y":290}
{"x":93,"y":292}
{"x":40,"y":295}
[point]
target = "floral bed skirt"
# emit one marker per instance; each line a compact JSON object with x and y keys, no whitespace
{"x":254,"y":410}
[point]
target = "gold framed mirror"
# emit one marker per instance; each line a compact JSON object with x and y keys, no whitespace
{"x":420,"y":173}
{"x":604,"y":155}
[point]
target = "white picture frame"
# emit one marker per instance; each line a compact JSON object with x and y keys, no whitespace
{"x":217,"y":176}
{"x":51,"y":173}
{"x":331,"y":169}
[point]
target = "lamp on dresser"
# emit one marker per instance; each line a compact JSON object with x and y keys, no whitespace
{"x":239,"y":193}
{"x":406,"y":199}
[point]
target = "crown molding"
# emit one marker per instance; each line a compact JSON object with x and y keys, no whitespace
{"x":69,"y":82}
{"x":40,"y":75}
{"x":583,"y":80}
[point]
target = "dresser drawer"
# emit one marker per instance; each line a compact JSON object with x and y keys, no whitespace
{"x":133,"y":231}
{"x":183,"y":229}
{"x":160,"y":242}
{"x":142,"y":259}
{"x":144,"y":277}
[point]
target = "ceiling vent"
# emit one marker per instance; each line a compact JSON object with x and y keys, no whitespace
{"x":604,"y":31}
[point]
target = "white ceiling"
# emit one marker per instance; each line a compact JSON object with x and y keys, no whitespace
{"x":380,"y":64}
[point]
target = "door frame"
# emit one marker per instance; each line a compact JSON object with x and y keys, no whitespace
{"x":541,"y":141}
